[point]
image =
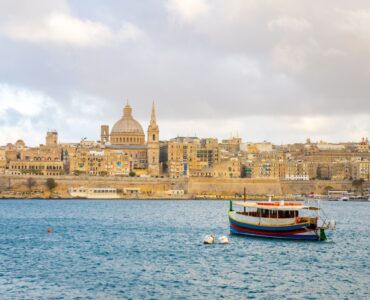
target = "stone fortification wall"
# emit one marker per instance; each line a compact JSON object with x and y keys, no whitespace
{"x":229,"y":186}
{"x":156,"y":187}
{"x":315,"y":186}
{"x":147,"y":185}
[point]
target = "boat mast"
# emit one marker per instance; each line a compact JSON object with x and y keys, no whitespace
{"x":245,"y":196}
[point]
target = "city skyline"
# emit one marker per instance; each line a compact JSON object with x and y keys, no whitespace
{"x":274,"y":71}
{"x":232,"y":135}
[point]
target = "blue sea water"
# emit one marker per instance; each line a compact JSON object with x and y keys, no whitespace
{"x":153,"y":250}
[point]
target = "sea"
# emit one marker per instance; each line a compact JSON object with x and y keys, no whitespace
{"x":137,"y":249}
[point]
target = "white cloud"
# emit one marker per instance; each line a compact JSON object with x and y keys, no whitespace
{"x":129,"y":31}
{"x":18,"y":108}
{"x":291,"y":57}
{"x":238,"y":59}
{"x":27,"y":114}
{"x":332,"y":52}
{"x":289,"y":24}
{"x":23,"y":101}
{"x":60,"y":28}
{"x":311,"y":124}
{"x":188,"y":10}
{"x":242,"y":65}
{"x":357,"y":23}
{"x":277,"y":129}
{"x":24,"y":130}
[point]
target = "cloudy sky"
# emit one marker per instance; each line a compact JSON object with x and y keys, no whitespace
{"x":264,"y":70}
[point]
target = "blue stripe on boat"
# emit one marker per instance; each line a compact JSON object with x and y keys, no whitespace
{"x":289,"y":236}
{"x":267,"y":228}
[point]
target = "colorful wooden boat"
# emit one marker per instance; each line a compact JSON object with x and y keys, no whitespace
{"x":280,"y":219}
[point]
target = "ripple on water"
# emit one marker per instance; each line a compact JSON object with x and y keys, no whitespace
{"x":153,"y":249}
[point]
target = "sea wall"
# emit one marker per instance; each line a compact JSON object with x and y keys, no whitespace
{"x":315,"y":186}
{"x":157,"y":187}
{"x":148,"y":186}
{"x":219,"y":186}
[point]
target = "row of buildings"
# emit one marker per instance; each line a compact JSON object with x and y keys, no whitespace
{"x":125,"y":150}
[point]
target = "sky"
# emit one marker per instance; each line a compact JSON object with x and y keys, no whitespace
{"x":280,"y":71}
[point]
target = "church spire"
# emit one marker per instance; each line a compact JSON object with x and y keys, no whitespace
{"x":153,"y":145}
{"x":153,"y":118}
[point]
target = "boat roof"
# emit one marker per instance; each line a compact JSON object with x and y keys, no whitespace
{"x":281,"y":205}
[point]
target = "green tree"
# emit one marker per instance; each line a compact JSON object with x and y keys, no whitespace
{"x":50,"y":184}
{"x":357,"y":184}
{"x":132,"y":174}
{"x":327,"y":189}
{"x":30,"y":183}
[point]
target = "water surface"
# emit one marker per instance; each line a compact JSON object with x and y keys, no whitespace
{"x":153,"y":250}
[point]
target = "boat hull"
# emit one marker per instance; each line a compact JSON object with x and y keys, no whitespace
{"x":296,"y":232}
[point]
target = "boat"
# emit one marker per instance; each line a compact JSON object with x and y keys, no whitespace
{"x":93,"y":193}
{"x":359,"y":198}
{"x":344,"y":198}
{"x":339,"y":195}
{"x":278,"y":219}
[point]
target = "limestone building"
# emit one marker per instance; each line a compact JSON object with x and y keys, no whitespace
{"x":126,"y":145}
{"x":43,"y":160}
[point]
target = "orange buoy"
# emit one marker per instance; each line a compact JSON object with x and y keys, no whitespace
{"x":50,"y":230}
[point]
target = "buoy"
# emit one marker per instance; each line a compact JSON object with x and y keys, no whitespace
{"x":50,"y":230}
{"x":223,"y":239}
{"x":209,"y":239}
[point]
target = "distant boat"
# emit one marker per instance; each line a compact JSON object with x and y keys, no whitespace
{"x":359,"y":198}
{"x":339,"y":195}
{"x":283,"y":220}
{"x":93,"y":193}
{"x":344,"y":198}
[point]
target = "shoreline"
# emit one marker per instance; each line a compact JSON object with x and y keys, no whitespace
{"x":16,"y":187}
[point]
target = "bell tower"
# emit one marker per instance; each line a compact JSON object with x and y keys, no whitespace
{"x":153,"y":145}
{"x":104,"y":134}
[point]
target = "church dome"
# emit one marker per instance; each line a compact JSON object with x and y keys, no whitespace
{"x":127,"y":124}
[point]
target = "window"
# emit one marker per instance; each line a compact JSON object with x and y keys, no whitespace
{"x":153,"y":137}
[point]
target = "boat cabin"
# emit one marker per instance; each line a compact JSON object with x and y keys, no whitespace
{"x":275,"y":212}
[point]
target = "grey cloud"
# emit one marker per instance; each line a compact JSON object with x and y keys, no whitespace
{"x":237,"y":59}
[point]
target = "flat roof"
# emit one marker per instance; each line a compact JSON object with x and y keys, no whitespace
{"x":276,"y":205}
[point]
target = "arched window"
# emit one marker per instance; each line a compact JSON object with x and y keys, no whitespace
{"x":153,"y":137}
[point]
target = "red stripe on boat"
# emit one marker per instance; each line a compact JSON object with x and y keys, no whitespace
{"x":269,"y":232}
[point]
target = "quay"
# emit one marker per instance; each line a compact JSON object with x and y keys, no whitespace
{"x":166,"y":188}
